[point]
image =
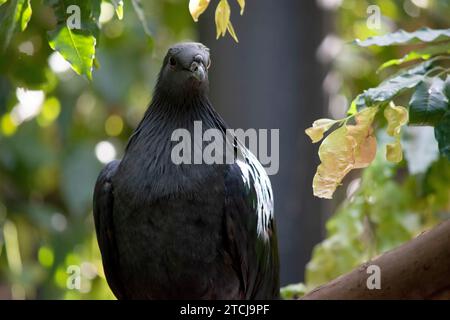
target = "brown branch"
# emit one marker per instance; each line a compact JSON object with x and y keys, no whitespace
{"x":418,"y":269}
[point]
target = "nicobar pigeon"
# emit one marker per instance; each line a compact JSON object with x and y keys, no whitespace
{"x":185,"y":231}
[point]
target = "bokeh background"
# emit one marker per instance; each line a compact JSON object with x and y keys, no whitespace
{"x":294,"y":63}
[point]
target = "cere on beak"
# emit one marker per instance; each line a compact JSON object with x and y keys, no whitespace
{"x":197,"y":68}
{"x":198,"y":71}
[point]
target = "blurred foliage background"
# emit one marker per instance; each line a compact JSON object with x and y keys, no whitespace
{"x":57,"y":129}
{"x":56,"y":136}
{"x":386,"y":204}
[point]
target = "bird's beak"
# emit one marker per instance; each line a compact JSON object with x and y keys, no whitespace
{"x":198,"y":71}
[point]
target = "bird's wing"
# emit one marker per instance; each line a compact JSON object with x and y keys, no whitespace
{"x":104,"y":227}
{"x":250,"y":228}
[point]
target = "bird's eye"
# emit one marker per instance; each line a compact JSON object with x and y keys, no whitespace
{"x":172,"y":61}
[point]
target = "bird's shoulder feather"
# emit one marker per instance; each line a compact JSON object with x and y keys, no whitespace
{"x":104,"y":226}
{"x":250,"y":228}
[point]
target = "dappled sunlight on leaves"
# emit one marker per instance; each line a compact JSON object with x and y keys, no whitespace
{"x":319,"y":127}
{"x":348,"y":147}
{"x":48,"y":162}
{"x":396,"y":117}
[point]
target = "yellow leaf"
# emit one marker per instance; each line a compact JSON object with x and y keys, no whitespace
{"x":336,"y":154}
{"x":394,"y":152}
{"x":197,"y":7}
{"x":242,"y":5}
{"x":223,"y":12}
{"x":319,"y":127}
{"x":366,"y":146}
{"x":365,"y":116}
{"x":232,"y":32}
{"x":396,"y":117}
{"x":362,"y":132}
{"x":347,"y":148}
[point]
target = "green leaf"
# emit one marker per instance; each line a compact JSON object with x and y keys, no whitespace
{"x":2,"y":2}
{"x":402,"y":37}
{"x":17,"y":12}
{"x":137,"y":5}
{"x":77,"y":46}
{"x":428,"y":103}
{"x":423,"y":54}
{"x":442,"y":134}
{"x":88,"y":9}
{"x":388,"y":89}
{"x":25,"y":14}
{"x":118,"y":5}
{"x":7,"y":24}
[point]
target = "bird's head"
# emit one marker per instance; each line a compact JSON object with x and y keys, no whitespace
{"x":185,"y":69}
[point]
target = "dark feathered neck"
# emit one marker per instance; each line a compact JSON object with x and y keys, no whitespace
{"x":147,"y":164}
{"x":168,"y":113}
{"x":180,"y":111}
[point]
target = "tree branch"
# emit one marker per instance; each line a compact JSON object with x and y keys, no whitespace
{"x":418,"y":269}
